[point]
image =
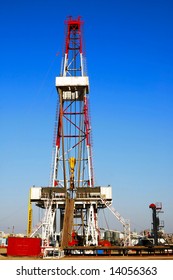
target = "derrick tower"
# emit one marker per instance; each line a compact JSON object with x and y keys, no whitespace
{"x":73,"y":139}
{"x":73,"y":168}
{"x":72,"y":191}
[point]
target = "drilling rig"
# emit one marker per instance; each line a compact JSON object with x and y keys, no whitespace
{"x":71,"y":202}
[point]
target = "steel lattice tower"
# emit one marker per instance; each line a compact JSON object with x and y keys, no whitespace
{"x":73,"y":138}
{"x":73,"y":168}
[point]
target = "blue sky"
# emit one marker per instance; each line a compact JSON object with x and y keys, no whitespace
{"x":130,"y":65}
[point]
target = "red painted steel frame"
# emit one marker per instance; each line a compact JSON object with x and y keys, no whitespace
{"x":73,"y":26}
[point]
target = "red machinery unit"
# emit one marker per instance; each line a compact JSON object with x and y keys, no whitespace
{"x":23,"y":246}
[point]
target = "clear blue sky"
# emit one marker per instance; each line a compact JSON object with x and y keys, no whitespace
{"x":129,"y":49}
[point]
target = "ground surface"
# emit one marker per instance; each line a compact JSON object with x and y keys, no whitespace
{"x":3,"y":256}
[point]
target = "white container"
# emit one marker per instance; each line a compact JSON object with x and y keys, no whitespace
{"x":106,"y":192}
{"x":35,"y":193}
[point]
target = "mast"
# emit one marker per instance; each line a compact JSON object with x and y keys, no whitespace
{"x":73,"y":137}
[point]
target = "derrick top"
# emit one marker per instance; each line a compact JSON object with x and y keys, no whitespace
{"x":73,"y":83}
{"x":73,"y":31}
{"x":71,"y":21}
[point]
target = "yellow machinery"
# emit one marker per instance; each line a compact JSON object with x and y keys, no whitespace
{"x":72,"y":162}
{"x":29,"y":225}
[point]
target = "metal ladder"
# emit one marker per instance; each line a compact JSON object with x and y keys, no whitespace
{"x":124,"y":222}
